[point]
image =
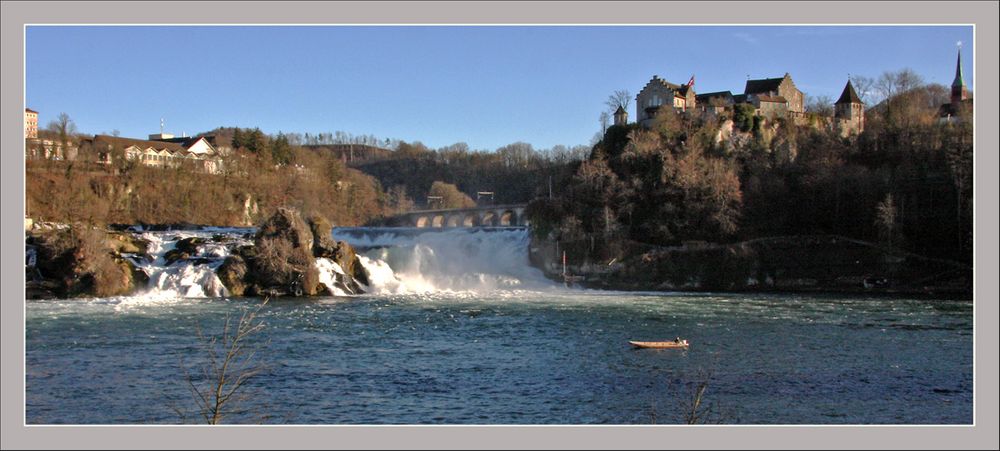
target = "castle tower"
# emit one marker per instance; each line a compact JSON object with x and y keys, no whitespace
{"x":959,"y":91}
{"x":621,"y":116}
{"x":850,"y":110}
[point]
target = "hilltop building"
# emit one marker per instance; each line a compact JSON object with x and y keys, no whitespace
{"x":44,"y":146}
{"x":197,"y":153}
{"x":773,"y":96}
{"x":715,"y":102}
{"x":30,"y":123}
{"x":961,"y":103}
{"x":659,"y":94}
{"x":849,"y":112}
{"x":621,"y":116}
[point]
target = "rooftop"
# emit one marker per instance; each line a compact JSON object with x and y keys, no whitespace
{"x":849,"y":95}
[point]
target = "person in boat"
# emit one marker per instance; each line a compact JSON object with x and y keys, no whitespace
{"x":677,"y":340}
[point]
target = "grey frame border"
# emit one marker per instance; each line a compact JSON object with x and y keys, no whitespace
{"x":984,"y":435}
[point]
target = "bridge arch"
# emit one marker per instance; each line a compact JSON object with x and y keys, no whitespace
{"x":508,"y":218}
{"x":470,"y":219}
{"x":489,"y":219}
{"x":454,"y":220}
{"x":421,"y":221}
{"x":437,"y":221}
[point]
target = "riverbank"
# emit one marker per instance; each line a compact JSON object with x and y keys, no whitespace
{"x":791,"y":264}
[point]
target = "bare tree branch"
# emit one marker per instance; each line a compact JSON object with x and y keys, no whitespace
{"x":230,"y":363}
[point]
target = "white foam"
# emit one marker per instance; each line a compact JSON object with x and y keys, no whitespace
{"x":452,"y":261}
{"x":328,"y":270}
{"x":186,"y":279}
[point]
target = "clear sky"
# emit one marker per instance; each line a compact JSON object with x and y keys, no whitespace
{"x":486,"y":86}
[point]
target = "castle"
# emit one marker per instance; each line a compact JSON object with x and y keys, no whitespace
{"x":771,"y":98}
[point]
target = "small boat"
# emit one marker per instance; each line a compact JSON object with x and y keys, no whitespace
{"x":683,"y":344}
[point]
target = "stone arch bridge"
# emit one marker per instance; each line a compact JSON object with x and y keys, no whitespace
{"x":487,"y":216}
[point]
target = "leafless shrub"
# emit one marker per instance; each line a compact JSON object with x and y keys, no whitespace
{"x":231,"y":361}
{"x":693,"y":404}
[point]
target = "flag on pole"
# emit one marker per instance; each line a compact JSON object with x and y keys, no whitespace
{"x":691,"y":81}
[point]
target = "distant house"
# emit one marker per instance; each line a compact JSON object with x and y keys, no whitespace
{"x":770,"y":89}
{"x":661,"y":94}
{"x":197,"y":153}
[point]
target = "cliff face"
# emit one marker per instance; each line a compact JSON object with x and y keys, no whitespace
{"x":784,"y":264}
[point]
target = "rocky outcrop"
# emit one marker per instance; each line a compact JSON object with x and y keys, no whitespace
{"x":281,"y":260}
{"x":183,"y":250}
{"x":80,"y":261}
{"x":127,"y":243}
{"x":347,"y":258}
{"x":323,"y":244}
{"x":341,"y":253}
{"x":233,"y":274}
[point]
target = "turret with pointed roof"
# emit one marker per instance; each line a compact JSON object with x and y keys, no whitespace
{"x":621,"y":116}
{"x":849,"y":111}
{"x":849,"y":95}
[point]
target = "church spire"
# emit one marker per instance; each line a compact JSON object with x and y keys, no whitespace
{"x":958,"y":90}
{"x":959,"y":81}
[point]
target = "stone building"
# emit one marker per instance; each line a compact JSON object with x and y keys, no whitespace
{"x":30,"y":123}
{"x":849,"y":112}
{"x":715,"y":102}
{"x":772,"y":88}
{"x":659,"y":94}
{"x":769,"y":106}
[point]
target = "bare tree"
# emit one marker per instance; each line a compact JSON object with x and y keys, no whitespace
{"x":864,"y":87}
{"x":620,"y":98}
{"x":65,"y":128}
{"x":230,"y":363}
{"x":821,"y":105}
{"x":605,"y":121}
{"x":693,"y":405}
{"x":891,"y":84}
{"x":694,"y":408}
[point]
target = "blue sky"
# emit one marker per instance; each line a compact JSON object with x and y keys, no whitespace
{"x":486,"y":86}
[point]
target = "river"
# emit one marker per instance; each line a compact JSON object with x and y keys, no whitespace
{"x":460,"y":330}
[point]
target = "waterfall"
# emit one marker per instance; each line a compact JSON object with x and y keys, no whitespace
{"x":398,"y":260}
{"x":424,"y":261}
